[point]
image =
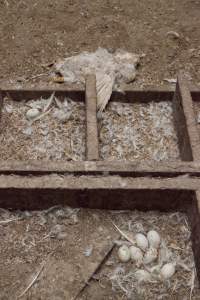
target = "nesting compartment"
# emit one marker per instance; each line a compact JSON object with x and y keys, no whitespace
{"x":138,"y":131}
{"x":58,"y":133}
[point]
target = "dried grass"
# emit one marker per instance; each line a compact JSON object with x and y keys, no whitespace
{"x":138,"y":131}
{"x":35,"y":278}
{"x":47,"y":138}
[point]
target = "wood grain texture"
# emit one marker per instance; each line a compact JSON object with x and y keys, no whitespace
{"x":185,"y":122}
{"x":92,"y":144}
{"x":193,"y":213}
{"x":122,"y":168}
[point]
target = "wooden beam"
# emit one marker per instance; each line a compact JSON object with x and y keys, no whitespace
{"x":1,"y":102}
{"x":70,"y":182}
{"x":123,"y":168}
{"x":194,"y":220}
{"x":92,"y":143}
{"x":78,"y":88}
{"x":102,"y":192}
{"x":185,"y":122}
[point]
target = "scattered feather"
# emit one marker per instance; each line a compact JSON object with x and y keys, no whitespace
{"x":104,"y":91}
{"x":138,"y":131}
{"x":58,"y":103}
{"x":171,"y":80}
{"x":49,"y":139}
{"x":198,"y":118}
{"x":143,"y":275}
{"x":27,"y":131}
{"x":8,"y":108}
{"x":192,"y":283}
{"x":4,"y":222}
{"x":88,"y":251}
{"x":49,"y":102}
{"x":173,"y":34}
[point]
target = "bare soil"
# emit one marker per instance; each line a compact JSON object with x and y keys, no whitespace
{"x":34,"y":34}
{"x":70,"y":248}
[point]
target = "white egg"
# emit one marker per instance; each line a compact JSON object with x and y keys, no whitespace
{"x":167,"y":271}
{"x":150,"y":256}
{"x":124,"y":253}
{"x":142,"y":275}
{"x":136,"y":255}
{"x":32,"y":113}
{"x":141,"y":241}
{"x":153,"y":238}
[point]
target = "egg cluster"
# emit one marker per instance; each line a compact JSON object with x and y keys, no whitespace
{"x":144,"y":252}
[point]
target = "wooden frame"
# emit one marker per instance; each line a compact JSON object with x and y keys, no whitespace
{"x":113,"y":185}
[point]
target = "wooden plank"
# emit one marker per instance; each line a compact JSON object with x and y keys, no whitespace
{"x":189,"y":142}
{"x":181,"y":126}
{"x":130,"y":95}
{"x":100,"y":192}
{"x":122,"y":168}
{"x":29,"y":94}
{"x":1,"y":102}
{"x":194,"y":220}
{"x":83,"y":182}
{"x":78,"y":88}
{"x":92,"y":143}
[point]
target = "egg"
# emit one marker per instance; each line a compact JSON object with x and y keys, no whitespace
{"x":141,"y":241}
{"x":167,"y":271}
{"x":150,"y":256}
{"x":153,"y":239}
{"x":124,"y":253}
{"x":32,"y":113}
{"x":136,"y":255}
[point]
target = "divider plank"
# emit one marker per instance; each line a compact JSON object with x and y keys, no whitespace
{"x":185,"y":122}
{"x":92,"y":144}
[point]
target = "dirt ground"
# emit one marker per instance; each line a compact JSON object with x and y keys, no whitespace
{"x":34,"y":34}
{"x":63,"y":253}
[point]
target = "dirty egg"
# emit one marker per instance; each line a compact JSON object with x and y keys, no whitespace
{"x":124,"y":253}
{"x":136,"y":255}
{"x":141,"y":241}
{"x":153,"y":238}
{"x":167,"y":271}
{"x":32,"y":113}
{"x":150,"y":256}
